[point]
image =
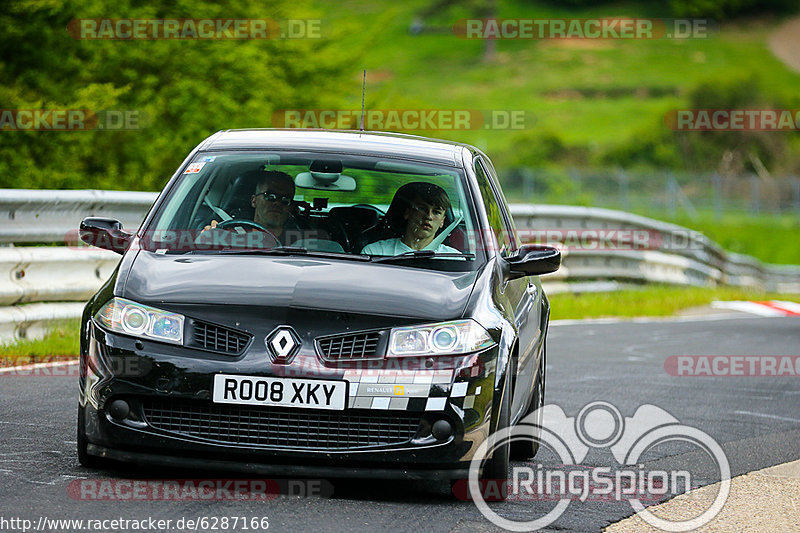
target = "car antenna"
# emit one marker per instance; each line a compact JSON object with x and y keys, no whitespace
{"x":363,"y":93}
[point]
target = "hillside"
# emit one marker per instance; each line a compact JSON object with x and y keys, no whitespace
{"x":589,"y":97}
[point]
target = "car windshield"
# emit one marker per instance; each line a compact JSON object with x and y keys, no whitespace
{"x":338,"y":206}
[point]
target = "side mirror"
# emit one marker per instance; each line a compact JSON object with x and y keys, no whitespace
{"x":533,"y":260}
{"x":105,"y":233}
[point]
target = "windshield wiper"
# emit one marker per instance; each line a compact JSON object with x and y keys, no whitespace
{"x":293,"y":250}
{"x":421,"y":254}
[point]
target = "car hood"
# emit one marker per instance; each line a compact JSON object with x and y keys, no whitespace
{"x":298,"y":283}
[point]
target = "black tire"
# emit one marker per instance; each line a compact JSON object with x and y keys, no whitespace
{"x":522,"y":450}
{"x":495,"y":470}
{"x":89,"y":461}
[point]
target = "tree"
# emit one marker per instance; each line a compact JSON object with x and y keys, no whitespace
{"x":180,"y":90}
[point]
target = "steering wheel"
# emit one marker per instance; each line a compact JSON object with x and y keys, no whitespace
{"x":244,"y":223}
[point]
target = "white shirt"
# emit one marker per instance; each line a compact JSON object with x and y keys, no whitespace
{"x":396,"y":247}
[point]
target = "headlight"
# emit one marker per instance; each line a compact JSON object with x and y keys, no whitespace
{"x":130,"y":318}
{"x":451,"y":338}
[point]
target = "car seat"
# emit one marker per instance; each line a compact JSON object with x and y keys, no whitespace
{"x":354,"y":221}
{"x":236,"y":201}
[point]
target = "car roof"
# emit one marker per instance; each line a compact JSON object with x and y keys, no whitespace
{"x":381,"y":144}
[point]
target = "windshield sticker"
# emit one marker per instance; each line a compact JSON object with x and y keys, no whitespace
{"x":194,"y":168}
{"x":209,"y":159}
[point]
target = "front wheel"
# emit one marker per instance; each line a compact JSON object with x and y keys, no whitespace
{"x":494,"y":479}
{"x":89,"y":461}
{"x":522,"y":450}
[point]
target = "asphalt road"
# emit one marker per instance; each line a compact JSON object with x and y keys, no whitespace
{"x":755,"y":419}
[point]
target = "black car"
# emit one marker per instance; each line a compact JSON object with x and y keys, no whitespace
{"x":383,"y":322}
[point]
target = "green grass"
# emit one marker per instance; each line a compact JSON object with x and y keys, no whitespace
{"x":643,"y":78}
{"x":593,"y":95}
{"x":656,"y":300}
{"x":60,"y":342}
{"x":769,"y":238}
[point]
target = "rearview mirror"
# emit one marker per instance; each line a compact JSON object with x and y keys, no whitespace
{"x":105,"y":233}
{"x":533,"y":260}
{"x":325,"y":175}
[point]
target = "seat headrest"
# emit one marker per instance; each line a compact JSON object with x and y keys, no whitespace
{"x":361,"y":217}
{"x":240,"y":191}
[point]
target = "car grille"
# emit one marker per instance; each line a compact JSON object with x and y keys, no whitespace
{"x":218,"y":338}
{"x":261,"y":426}
{"x":353,"y":347}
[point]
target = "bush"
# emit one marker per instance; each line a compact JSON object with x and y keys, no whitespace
{"x":730,"y":152}
{"x":728,"y":9}
{"x":184,"y":90}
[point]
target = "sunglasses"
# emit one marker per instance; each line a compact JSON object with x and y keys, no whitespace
{"x":272,"y":197}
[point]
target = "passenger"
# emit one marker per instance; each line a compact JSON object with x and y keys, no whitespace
{"x":423,"y":216}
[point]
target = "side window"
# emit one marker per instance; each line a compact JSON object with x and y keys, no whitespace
{"x":511,"y":230}
{"x":493,"y":211}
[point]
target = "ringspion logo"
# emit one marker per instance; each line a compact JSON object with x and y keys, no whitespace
{"x":599,"y":425}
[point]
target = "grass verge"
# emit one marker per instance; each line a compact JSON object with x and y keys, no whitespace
{"x":592,"y":94}
{"x":656,"y":300}
{"x":60,"y":342}
{"x":767,"y":237}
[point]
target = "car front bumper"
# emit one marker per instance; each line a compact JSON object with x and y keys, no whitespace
{"x":386,"y":429}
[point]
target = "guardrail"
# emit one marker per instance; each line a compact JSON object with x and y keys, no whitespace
{"x":669,"y":254}
{"x":46,"y":216}
{"x":49,"y":278}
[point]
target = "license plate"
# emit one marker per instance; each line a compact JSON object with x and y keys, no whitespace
{"x":284,"y":392}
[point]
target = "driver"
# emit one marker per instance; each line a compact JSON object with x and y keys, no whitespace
{"x":273,"y":202}
{"x":423,"y":217}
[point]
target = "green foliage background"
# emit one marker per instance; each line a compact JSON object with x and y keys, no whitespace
{"x":184,"y":90}
{"x":595,"y":104}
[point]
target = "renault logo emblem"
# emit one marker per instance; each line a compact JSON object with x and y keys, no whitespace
{"x":282,"y":344}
